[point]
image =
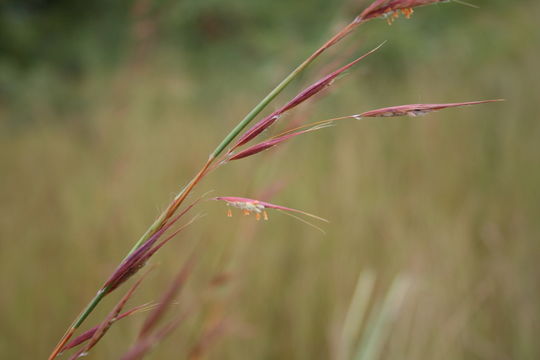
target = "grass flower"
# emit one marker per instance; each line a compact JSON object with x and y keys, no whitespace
{"x":257,"y":207}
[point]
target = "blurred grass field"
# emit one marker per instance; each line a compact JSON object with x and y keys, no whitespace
{"x":93,"y":147}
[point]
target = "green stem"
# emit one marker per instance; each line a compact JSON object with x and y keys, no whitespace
{"x":259,"y":107}
{"x":90,"y":307}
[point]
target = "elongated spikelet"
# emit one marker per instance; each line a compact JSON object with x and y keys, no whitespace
{"x":417,"y":109}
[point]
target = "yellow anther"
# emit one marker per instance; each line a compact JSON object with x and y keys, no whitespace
{"x":265,"y":215}
{"x":390,"y":16}
{"x":229,"y":213}
{"x":246,"y":212}
{"x":407,"y":12}
{"x":258,"y":216}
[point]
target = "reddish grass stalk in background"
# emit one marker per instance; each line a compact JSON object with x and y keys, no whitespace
{"x":148,"y":335}
{"x":208,"y":337}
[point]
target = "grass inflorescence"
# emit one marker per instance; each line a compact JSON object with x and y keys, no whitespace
{"x":236,"y":146}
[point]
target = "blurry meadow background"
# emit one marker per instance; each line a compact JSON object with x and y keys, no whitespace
{"x":107,"y":108}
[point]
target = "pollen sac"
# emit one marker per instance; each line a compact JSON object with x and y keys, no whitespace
{"x":407,"y":12}
{"x":390,"y":16}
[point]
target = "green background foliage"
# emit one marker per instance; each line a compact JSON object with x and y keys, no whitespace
{"x":106,"y":108}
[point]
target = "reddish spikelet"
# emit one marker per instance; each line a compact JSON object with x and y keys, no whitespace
{"x":265,"y":145}
{"x":389,"y":8}
{"x":167,"y":299}
{"x":87,"y":335}
{"x":139,"y":350}
{"x":139,"y":257}
{"x":221,"y":279}
{"x":132,"y":264}
{"x":102,"y":329}
{"x":417,"y":109}
{"x":323,"y":83}
{"x":304,"y":95}
{"x":90,"y":333}
{"x":258,"y":128}
{"x":148,"y":336}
